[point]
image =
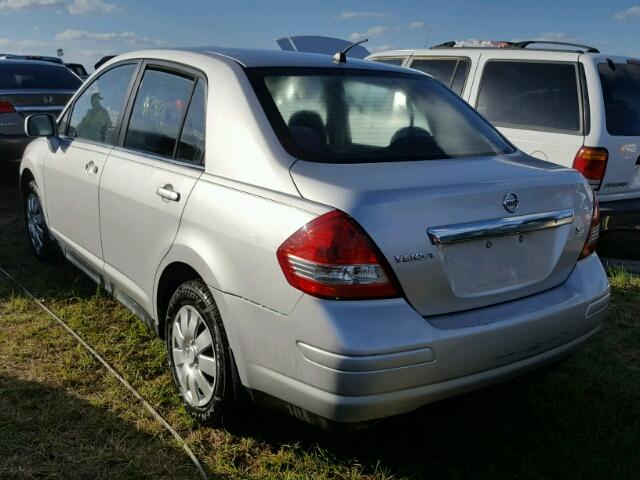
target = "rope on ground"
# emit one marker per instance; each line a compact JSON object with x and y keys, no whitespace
{"x":113,"y":371}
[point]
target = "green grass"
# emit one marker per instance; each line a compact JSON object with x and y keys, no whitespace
{"x":62,"y":416}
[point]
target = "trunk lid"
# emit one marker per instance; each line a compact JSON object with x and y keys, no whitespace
{"x":27,"y":102}
{"x":416,"y":211}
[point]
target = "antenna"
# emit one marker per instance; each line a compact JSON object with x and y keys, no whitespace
{"x":341,"y":56}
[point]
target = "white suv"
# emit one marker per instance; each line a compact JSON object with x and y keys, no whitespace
{"x":578,"y":108}
{"x":349,"y":238}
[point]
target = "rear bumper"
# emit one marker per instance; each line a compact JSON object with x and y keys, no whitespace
{"x":620,"y":207}
{"x":12,"y":148}
{"x":359,"y":361}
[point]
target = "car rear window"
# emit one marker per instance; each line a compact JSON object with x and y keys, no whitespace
{"x":621,"y":91}
{"x":531,"y":95}
{"x":450,"y":71}
{"x":15,"y":75}
{"x":353,"y":115}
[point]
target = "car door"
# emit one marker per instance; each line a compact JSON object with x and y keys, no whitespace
{"x":72,"y":171}
{"x":537,"y":104}
{"x":150,"y":175}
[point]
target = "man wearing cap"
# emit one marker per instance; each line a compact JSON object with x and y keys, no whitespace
{"x":96,"y":123}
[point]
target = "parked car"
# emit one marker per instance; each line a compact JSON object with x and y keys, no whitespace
{"x":27,"y":87}
{"x":575,"y":107}
{"x":347,"y":240}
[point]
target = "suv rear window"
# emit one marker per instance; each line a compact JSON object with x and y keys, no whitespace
{"x":347,"y":116}
{"x":621,"y":91}
{"x":16,"y":75}
{"x":450,"y":71}
{"x":531,"y":95}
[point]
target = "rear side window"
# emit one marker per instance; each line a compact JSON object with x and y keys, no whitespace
{"x":528,"y":95}
{"x":158,"y":111}
{"x":96,"y":111}
{"x":191,"y":145}
{"x":621,"y":91}
{"x":17,"y":75}
{"x":450,"y":71}
{"x":389,"y":60}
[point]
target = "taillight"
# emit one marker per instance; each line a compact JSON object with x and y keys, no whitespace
{"x":594,"y":230}
{"x":332,"y":257}
{"x":592,"y":163}
{"x":6,"y":107}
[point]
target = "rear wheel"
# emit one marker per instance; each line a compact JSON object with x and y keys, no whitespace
{"x":42,"y":244}
{"x":198,"y":352}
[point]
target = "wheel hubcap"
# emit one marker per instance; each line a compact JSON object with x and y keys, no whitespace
{"x":35,"y":222}
{"x":194,"y":357}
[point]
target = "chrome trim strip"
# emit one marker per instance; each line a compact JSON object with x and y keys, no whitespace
{"x":39,"y":108}
{"x":465,"y":232}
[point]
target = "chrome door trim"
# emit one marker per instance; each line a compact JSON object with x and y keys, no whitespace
{"x":464,"y":232}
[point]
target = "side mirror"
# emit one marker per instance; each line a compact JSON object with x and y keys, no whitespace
{"x":41,"y":125}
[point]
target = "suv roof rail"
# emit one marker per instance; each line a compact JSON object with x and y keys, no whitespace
{"x":523,"y":44}
{"x":586,"y":48}
{"x":450,"y":44}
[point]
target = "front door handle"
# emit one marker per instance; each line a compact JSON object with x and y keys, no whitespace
{"x":167,"y":192}
{"x":91,"y":168}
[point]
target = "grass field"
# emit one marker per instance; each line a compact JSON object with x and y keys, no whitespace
{"x":63,"y":416}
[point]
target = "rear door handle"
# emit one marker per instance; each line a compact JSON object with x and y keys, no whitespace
{"x":167,"y":192}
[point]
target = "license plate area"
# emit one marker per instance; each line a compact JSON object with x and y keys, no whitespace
{"x":500,"y":264}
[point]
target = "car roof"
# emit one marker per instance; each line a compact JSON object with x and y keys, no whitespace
{"x":16,"y":61}
{"x":257,"y":58}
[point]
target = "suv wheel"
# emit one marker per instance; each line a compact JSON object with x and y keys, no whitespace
{"x":40,"y":240}
{"x":198,"y":352}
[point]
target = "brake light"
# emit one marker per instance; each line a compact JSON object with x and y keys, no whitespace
{"x":6,"y":107}
{"x":332,"y":257}
{"x":594,"y":230}
{"x":592,"y":163}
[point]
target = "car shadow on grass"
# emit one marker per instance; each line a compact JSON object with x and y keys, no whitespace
{"x":46,"y":432}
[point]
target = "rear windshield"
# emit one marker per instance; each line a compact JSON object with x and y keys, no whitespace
{"x":621,"y":91}
{"x":14,"y":75}
{"x":347,"y":116}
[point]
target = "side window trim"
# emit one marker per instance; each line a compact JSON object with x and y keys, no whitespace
{"x":458,"y":60}
{"x":575,"y":64}
{"x":69,"y":110}
{"x":168,"y":67}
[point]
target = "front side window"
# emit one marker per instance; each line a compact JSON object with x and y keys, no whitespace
{"x":621,"y":92}
{"x":158,"y":111}
{"x":531,"y":95}
{"x":347,"y":116}
{"x":96,"y":111}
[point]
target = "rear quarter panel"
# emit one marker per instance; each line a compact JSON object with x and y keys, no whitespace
{"x":229,"y":233}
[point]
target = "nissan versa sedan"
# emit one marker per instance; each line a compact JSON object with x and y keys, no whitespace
{"x":344,"y":239}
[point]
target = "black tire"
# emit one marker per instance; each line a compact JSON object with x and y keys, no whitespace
{"x":45,"y":249}
{"x":196,"y":294}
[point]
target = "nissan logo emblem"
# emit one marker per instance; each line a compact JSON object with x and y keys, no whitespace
{"x":510,"y":202}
